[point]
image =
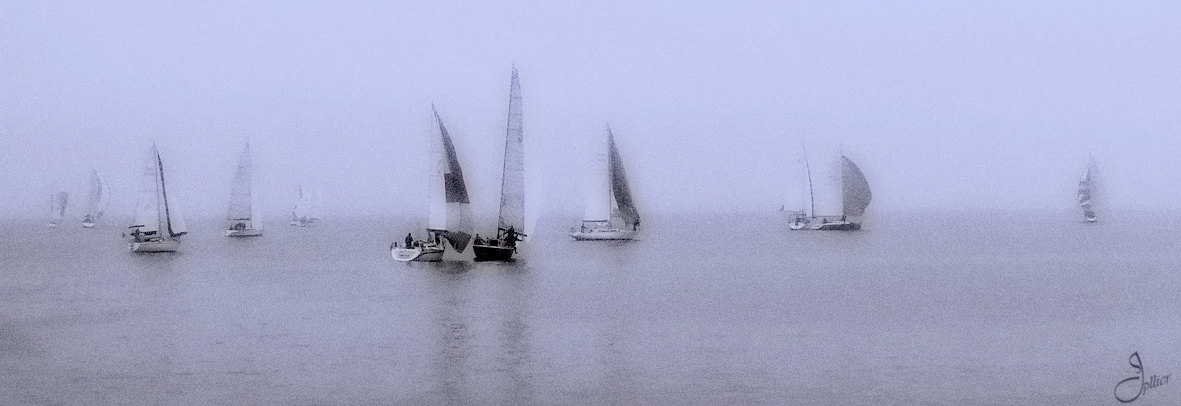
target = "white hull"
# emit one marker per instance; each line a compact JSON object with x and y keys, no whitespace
{"x":88,"y":225}
{"x":153,"y":246}
{"x":249,"y":232}
{"x":417,"y":254}
{"x":602,"y":235}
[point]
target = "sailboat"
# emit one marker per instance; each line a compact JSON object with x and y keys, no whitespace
{"x":1089,"y":191}
{"x":100,"y":198}
{"x":242,"y":220}
{"x":450,"y":210}
{"x":57,"y":208}
{"x":801,"y":216}
{"x":307,"y":207}
{"x":855,"y":198}
{"x":158,"y":220}
{"x":610,"y":211}
{"x":511,"y":222}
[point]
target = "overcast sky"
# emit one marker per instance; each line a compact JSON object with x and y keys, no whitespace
{"x":944,"y":105}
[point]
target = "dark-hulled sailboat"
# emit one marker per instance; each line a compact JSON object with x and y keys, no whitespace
{"x":511,"y":223}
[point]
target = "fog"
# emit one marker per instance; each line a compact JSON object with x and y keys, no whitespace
{"x":944,"y":105}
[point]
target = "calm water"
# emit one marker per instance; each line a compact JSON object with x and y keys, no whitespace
{"x":1019,"y":308}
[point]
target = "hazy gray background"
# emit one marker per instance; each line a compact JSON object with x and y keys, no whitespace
{"x":944,"y":105}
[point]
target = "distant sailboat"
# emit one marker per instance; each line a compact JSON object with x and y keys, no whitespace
{"x":450,"y":211}
{"x":1089,"y":191}
{"x":242,"y":220}
{"x":100,"y":198}
{"x":511,"y":223}
{"x":57,"y":208}
{"x":158,"y":220}
{"x":307,"y":207}
{"x":855,"y":198}
{"x":610,"y":211}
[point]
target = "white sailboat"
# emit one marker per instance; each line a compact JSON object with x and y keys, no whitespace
{"x":1090,"y":192}
{"x":57,"y":208}
{"x":307,"y":207}
{"x":511,"y":223}
{"x":855,"y":198}
{"x":158,"y":220}
{"x":450,"y":210}
{"x":242,"y":220}
{"x":100,"y":198}
{"x":610,"y":211}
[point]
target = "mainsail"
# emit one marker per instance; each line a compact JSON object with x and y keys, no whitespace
{"x":157,"y":211}
{"x":623,"y":207}
{"x":512,"y":185}
{"x":599,"y":200}
{"x":855,"y":194}
{"x":57,"y":205}
{"x":450,"y":213}
{"x":242,"y":208}
{"x":99,"y":197}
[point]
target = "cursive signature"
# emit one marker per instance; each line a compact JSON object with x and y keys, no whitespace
{"x":1133,"y":387}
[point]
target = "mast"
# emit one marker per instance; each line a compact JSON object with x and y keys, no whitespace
{"x":164,"y":192}
{"x":811,"y":193}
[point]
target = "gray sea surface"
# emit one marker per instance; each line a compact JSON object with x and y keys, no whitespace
{"x":1007,"y":308}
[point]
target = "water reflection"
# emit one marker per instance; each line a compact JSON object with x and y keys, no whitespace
{"x":450,"y":309}
{"x":515,"y":337}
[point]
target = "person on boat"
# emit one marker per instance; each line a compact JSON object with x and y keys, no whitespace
{"x":479,"y":241}
{"x":510,"y":238}
{"x":239,"y":226}
{"x":409,"y":240}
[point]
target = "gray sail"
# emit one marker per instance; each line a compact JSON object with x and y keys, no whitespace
{"x":855,"y":194}
{"x":619,"y":187}
{"x":459,"y":217}
{"x":241,"y":201}
{"x":512,"y":185}
{"x":1088,"y":189}
{"x":99,"y":197}
{"x":57,"y":205}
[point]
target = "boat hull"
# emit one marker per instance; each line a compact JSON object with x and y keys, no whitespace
{"x":493,"y":252}
{"x":153,"y":246}
{"x":417,"y":254}
{"x":603,"y":235}
{"x":837,"y":226}
{"x":87,"y":225}
{"x":249,"y":232}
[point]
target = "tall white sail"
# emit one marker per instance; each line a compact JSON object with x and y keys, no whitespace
{"x":512,"y":186}
{"x":157,"y":211}
{"x":99,"y":197}
{"x":149,"y":199}
{"x":450,"y":211}
{"x":855,"y":194}
{"x":242,"y":207}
